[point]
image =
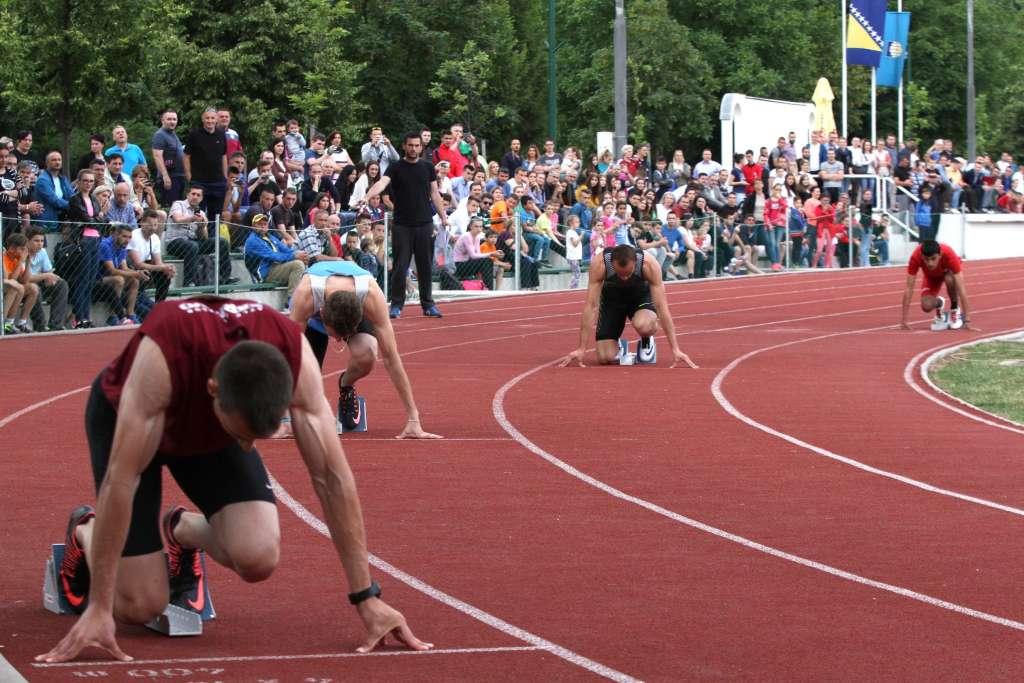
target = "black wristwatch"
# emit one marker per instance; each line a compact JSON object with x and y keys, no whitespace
{"x":372,"y":592}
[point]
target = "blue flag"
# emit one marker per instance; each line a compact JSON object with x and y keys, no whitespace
{"x":865,"y":24}
{"x":894,"y":50}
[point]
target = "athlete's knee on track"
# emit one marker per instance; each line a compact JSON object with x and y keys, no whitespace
{"x":257,"y":561}
{"x":140,"y":608}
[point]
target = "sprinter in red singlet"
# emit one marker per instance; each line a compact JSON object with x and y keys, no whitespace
{"x":200,"y":381}
{"x":939,"y":265}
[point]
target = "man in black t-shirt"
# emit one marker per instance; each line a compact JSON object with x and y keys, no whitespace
{"x":206,"y":162}
{"x":413,"y":184}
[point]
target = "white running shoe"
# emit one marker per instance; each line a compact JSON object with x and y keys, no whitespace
{"x":941,"y":322}
{"x":646,"y":353}
{"x":956,"y":320}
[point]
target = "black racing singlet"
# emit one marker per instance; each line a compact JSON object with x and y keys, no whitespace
{"x":635,"y":288}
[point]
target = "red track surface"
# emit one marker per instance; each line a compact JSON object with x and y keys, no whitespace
{"x":917,"y":532}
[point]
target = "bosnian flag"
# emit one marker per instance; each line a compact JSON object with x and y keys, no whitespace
{"x":865,"y":26}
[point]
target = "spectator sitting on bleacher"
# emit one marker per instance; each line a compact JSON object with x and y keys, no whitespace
{"x":315,"y":239}
{"x":278,"y":263}
{"x":145,"y":253}
{"x":187,"y":237}
{"x":120,"y":209}
{"x":469,"y":260}
{"x":53,"y":289}
{"x":20,"y":294}
{"x":118,"y":284}
{"x":114,"y":173}
{"x":490,"y":247}
{"x":286,"y":218}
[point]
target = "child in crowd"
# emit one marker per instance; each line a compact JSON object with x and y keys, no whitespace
{"x":295,"y":148}
{"x":490,"y":247}
{"x":573,"y":248}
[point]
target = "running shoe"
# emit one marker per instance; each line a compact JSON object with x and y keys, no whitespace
{"x":9,"y":328}
{"x":348,"y":408}
{"x":646,"y":350}
{"x":184,"y":567}
{"x":432,"y":312}
{"x":956,"y":320}
{"x":23,"y":327}
{"x":83,"y":325}
{"x":395,"y":312}
{"x":74,"y":571}
{"x":113,"y":321}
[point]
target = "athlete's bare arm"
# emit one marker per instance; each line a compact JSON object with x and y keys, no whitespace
{"x":140,"y":425}
{"x":594,"y":284}
{"x":652,"y":273}
{"x":316,"y":435}
{"x":908,"y":295}
{"x":301,"y":305}
{"x":375,"y":309}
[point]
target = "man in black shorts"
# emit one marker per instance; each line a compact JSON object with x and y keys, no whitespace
{"x":200,"y":381}
{"x":624,"y":285}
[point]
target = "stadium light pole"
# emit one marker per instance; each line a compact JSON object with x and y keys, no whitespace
{"x":972,"y":142}
{"x":620,"y":77}
{"x":552,"y":75}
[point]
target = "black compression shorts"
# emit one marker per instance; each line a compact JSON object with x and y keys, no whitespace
{"x":210,"y":480}
{"x":612,"y":315}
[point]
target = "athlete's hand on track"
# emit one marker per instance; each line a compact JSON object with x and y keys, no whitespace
{"x":574,"y":357}
{"x":680,"y":357}
{"x":92,"y":629}
{"x":413,"y":430}
{"x":382,"y":620}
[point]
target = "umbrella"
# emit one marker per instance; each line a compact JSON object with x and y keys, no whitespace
{"x":824,"y":120}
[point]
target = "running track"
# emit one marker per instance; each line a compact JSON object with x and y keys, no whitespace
{"x":794,"y":509}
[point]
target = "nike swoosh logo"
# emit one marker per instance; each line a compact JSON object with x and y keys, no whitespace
{"x":73,"y":600}
{"x":200,"y":600}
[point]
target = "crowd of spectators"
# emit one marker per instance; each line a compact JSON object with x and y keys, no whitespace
{"x":119,"y":211}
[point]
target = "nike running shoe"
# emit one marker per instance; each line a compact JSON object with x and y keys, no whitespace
{"x":646,"y":350}
{"x":184,"y":567}
{"x":348,"y":408}
{"x":74,"y":571}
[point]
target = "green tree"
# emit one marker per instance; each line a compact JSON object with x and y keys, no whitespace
{"x":69,"y":72}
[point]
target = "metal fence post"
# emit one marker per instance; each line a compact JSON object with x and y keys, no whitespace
{"x":387,"y":234}
{"x":216,"y":254}
{"x":519,"y":255}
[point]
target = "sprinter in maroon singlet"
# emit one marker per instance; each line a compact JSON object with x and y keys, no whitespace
{"x":200,"y":381}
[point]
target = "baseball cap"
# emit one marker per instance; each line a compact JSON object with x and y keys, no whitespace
{"x":260,"y":218}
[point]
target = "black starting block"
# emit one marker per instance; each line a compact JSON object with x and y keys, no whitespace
{"x":176,"y":620}
{"x":361,"y":426}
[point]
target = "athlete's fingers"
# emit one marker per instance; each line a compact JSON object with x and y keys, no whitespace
{"x":405,"y":636}
{"x":370,"y":643}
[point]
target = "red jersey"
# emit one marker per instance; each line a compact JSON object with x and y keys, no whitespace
{"x":193,"y":334}
{"x":948,"y":262}
{"x":456,"y":161}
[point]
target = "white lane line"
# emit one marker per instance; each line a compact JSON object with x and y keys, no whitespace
{"x":351,"y":438}
{"x":489,"y":619}
{"x":716,"y":390}
{"x":8,"y":674}
{"x":938,"y":352}
{"x":498,"y":409}
{"x":243,"y":659}
{"x":312,"y":520}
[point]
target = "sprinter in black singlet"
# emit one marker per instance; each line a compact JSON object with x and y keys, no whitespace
{"x":625,"y":286}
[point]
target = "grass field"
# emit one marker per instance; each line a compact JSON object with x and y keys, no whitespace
{"x":989,"y":376}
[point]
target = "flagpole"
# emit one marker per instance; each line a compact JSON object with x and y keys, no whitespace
{"x":842,"y":6}
{"x":874,"y":106}
{"x":899,"y":94}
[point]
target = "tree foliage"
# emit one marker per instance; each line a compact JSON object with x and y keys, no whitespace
{"x":348,"y":64}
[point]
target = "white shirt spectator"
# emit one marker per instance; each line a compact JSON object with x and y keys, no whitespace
{"x":40,"y":263}
{"x":146,"y":249}
{"x":710,"y":168}
{"x":573,"y":252}
{"x":1017,"y":181}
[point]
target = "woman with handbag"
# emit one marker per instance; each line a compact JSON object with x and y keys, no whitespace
{"x":76,"y":258}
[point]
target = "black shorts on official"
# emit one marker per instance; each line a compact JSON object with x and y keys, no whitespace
{"x":211,"y":480}
{"x":612,"y":315}
{"x":319,"y":340}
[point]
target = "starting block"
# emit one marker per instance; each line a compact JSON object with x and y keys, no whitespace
{"x":176,"y":620}
{"x":361,"y":426}
{"x":625,"y":357}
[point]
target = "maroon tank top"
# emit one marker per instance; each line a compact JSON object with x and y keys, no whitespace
{"x":193,"y":334}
